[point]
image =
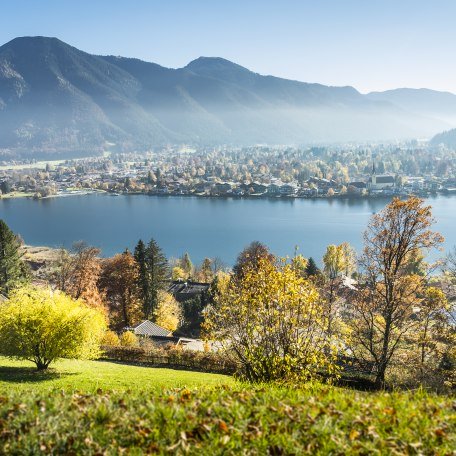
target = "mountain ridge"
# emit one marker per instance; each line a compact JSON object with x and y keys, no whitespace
{"x":57,"y":99}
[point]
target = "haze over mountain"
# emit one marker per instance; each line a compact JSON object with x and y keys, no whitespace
{"x":56,"y":99}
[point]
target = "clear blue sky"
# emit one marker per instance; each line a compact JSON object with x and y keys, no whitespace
{"x":370,"y":44}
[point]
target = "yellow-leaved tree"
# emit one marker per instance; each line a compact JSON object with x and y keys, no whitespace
{"x":41,"y":325}
{"x":168,"y":313}
{"x":271,"y":321}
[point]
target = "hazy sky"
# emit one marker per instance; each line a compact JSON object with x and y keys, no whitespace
{"x":370,"y":44}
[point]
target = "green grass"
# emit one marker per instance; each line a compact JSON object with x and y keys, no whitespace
{"x":140,"y":410}
{"x":89,"y":376}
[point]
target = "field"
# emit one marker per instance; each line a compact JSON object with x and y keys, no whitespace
{"x":105,"y":408}
{"x":89,"y":376}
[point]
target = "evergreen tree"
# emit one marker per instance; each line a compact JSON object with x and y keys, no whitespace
{"x":13,"y":270}
{"x":158,"y":274}
{"x":143,"y":276}
{"x":311,"y":268}
{"x":153,"y":274}
{"x":5,"y":187}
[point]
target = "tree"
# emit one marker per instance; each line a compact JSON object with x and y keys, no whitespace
{"x":168,"y":313}
{"x":382,"y":313}
{"x":450,"y":263}
{"x":76,"y":273}
{"x":251,"y":256}
{"x":153,"y":274}
{"x":5,"y":187}
{"x":271,"y":321}
{"x":13,"y":270}
{"x":432,"y":325}
{"x":179,"y":274}
{"x":334,"y":267}
{"x":192,"y":316}
{"x":205,"y":273}
{"x":41,"y":326}
{"x":143,"y":274}
{"x":312,"y":268}
{"x":299,"y":263}
{"x":119,"y":282}
{"x":349,"y":258}
{"x":186,"y":264}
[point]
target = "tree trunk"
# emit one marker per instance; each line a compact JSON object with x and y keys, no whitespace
{"x":380,"y":378}
{"x":41,"y":365}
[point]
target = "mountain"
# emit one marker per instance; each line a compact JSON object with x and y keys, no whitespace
{"x":448,"y":138}
{"x":58,"y":100}
{"x":426,"y":102}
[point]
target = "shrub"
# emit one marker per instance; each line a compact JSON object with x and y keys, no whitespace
{"x":41,"y":326}
{"x":111,"y":339}
{"x":129,"y":339}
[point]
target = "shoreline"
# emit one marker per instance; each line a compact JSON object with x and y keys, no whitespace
{"x":19,"y":195}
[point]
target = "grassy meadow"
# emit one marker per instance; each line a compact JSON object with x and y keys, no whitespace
{"x":94,"y":407}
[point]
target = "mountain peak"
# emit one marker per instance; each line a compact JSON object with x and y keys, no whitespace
{"x":34,"y":40}
{"x":211,"y":64}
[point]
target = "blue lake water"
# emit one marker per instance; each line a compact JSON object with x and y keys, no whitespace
{"x":203,"y":226}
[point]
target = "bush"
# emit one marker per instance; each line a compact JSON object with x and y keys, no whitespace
{"x":217,"y":362}
{"x":129,"y":339}
{"x":111,"y":339}
{"x":41,"y":326}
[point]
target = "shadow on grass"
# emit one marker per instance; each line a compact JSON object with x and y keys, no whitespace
{"x":29,"y":374}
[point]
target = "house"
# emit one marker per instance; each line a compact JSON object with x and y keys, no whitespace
{"x":161,"y":337}
{"x":149,"y":329}
{"x":258,"y":188}
{"x":274,"y":189}
{"x":224,"y":187}
{"x":288,"y":189}
{"x":183,"y":291}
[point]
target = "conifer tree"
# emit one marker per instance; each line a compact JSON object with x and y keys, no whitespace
{"x":158,"y":274}
{"x":153,"y":274}
{"x":311,"y":268}
{"x":13,"y":270}
{"x":143,"y":276}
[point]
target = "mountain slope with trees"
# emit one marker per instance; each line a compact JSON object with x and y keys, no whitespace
{"x":58,"y":100}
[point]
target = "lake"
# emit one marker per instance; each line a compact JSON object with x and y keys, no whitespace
{"x":212,"y":227}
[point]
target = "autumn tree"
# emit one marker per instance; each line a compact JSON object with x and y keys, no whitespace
{"x":205,"y":273}
{"x":450,"y":263}
{"x":168,"y":313}
{"x":178,"y":273}
{"x":119,"y":282}
{"x":339,"y":260}
{"x":40,"y":325}
{"x":431,"y":331}
{"x":186,"y":264}
{"x":382,"y":314}
{"x":270,"y":319}
{"x":251,"y":256}
{"x":13,"y":270}
{"x":299,"y":264}
{"x":77,"y":272}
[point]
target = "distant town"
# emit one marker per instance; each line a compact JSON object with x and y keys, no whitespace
{"x":274,"y":172}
